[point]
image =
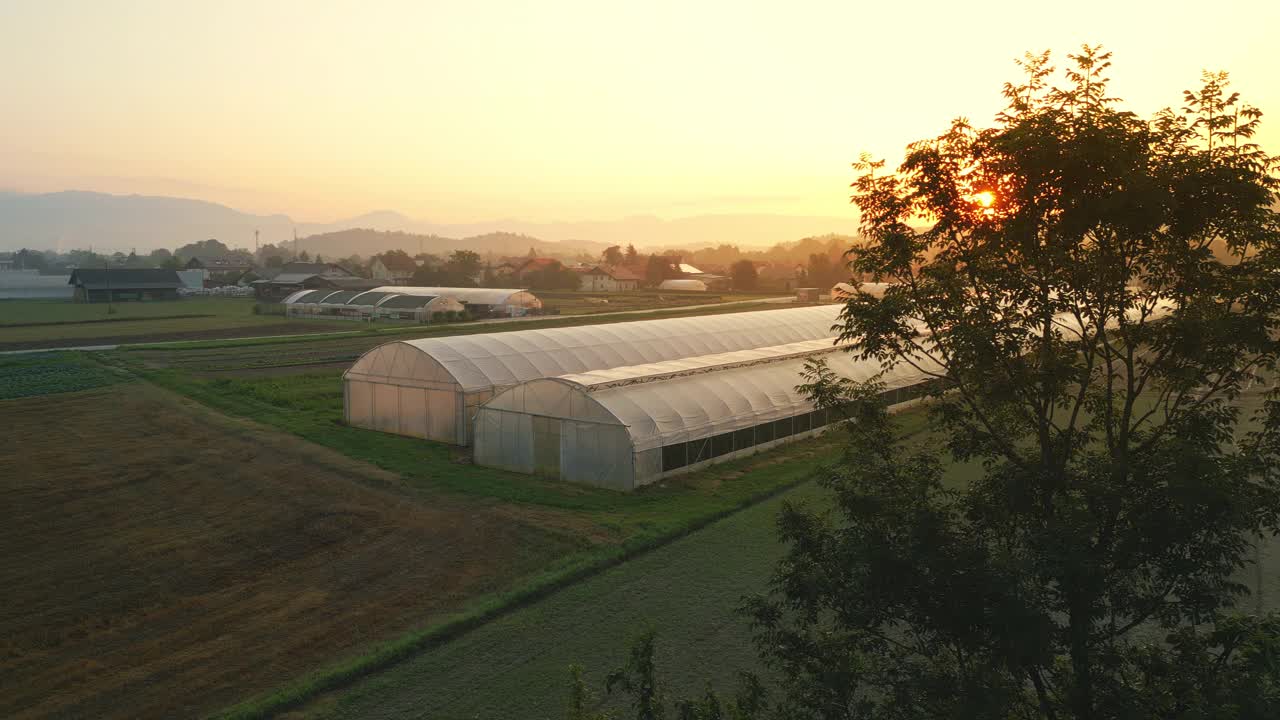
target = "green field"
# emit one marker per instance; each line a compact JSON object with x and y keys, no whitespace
{"x":517,"y":666}
{"x":61,"y":323}
{"x":26,"y":322}
{"x":46,"y":374}
{"x":502,"y":646}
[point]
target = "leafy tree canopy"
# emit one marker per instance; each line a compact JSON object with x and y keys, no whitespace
{"x":1057,"y":273}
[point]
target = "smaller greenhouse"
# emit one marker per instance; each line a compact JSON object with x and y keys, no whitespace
{"x":478,"y":301}
{"x":686,"y":284}
{"x":335,"y":304}
{"x":419,"y":308}
{"x":630,"y":426}
{"x":380,"y":304}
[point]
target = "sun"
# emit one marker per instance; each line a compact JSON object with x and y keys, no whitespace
{"x":986,"y":198}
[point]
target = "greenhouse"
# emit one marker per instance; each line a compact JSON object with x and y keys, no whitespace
{"x":419,"y":308}
{"x":479,"y":301}
{"x":382,"y":303}
{"x":626,"y":427}
{"x":685,"y":284}
{"x":431,"y":387}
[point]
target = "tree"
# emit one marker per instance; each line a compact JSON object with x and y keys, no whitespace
{"x":275,"y":261}
{"x":744,"y":275}
{"x":631,"y":257}
{"x":822,"y":272}
{"x":304,"y":257}
{"x":658,"y":269}
{"x":466,"y":263}
{"x":204,"y":248}
{"x":1056,"y":273}
{"x":639,"y":680}
{"x":555,"y":277}
{"x":612,"y":255}
{"x":26,"y":259}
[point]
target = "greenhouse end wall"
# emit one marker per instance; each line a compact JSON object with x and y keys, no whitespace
{"x":431,"y":413}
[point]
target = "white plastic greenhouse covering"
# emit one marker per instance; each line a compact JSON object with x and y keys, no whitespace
{"x":695,"y":285}
{"x":430,"y":388}
{"x":504,"y":299}
{"x":627,"y":427}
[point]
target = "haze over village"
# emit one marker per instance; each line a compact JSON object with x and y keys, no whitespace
{"x":704,"y":360}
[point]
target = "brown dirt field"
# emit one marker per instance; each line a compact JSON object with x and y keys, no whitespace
{"x":160,"y":560}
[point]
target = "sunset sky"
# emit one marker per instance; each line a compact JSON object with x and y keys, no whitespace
{"x":464,"y":111}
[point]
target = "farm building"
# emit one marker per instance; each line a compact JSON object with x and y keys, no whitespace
{"x":118,"y":284}
{"x":431,"y":387}
{"x":687,"y":284}
{"x":29,"y":284}
{"x":629,"y":426}
{"x":297,"y":276}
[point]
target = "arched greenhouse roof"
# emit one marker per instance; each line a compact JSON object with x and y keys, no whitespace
{"x":371,"y":297}
{"x":308,"y":296}
{"x":676,"y":406}
{"x":407,"y":302}
{"x":473,"y":296}
{"x":485,"y":361}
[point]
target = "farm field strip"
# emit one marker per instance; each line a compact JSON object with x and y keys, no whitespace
{"x":217,"y":558}
{"x":28,"y":376}
{"x":517,"y":666}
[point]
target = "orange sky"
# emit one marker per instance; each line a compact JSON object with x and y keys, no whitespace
{"x":463,"y":111}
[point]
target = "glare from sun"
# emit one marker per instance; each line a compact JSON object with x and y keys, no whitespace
{"x":985,"y":198}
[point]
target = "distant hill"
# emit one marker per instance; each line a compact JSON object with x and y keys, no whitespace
{"x":73,"y":219}
{"x":366,"y":242}
{"x":77,"y":219}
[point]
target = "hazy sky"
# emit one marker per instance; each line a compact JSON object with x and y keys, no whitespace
{"x":544,"y":110}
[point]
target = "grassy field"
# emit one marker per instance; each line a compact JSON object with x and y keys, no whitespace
{"x":42,"y":323}
{"x":28,"y":324}
{"x":517,"y":666}
{"x":164,"y":561}
{"x":252,"y":355}
{"x":181,"y":556}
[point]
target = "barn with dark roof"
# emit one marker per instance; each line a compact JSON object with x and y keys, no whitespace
{"x":121,"y":284}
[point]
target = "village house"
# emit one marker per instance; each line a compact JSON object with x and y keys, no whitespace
{"x":393,"y":269}
{"x":609,"y":278}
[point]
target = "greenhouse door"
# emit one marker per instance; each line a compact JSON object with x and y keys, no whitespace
{"x":546,"y":446}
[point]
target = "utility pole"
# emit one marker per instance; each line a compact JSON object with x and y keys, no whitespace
{"x":106,"y":270}
{"x":255,"y":242}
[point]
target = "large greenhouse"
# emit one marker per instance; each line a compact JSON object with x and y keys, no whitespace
{"x":432,"y":387}
{"x":626,"y":427}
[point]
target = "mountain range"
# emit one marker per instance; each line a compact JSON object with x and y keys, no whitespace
{"x":79,"y":219}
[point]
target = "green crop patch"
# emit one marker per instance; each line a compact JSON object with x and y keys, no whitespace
{"x":47,"y":373}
